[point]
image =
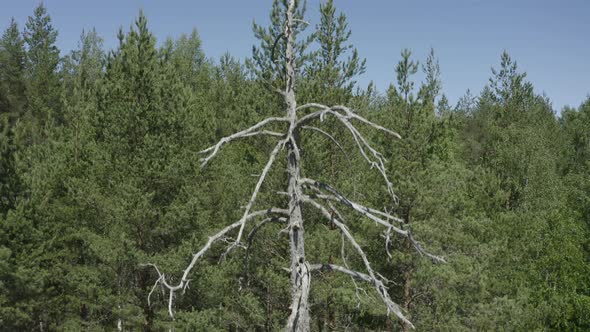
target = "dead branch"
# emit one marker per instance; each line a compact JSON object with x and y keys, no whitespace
{"x":374,"y":215}
{"x":348,"y":114}
{"x":261,"y":179}
{"x":258,"y":226}
{"x":252,"y":131}
{"x":370,"y":213}
{"x":253,"y":233}
{"x":419,"y":249}
{"x":329,"y":136}
{"x":344,"y":260}
{"x":344,"y":115}
{"x":377,"y":284}
{"x":353,"y":115}
{"x":345,"y":270}
{"x":183,"y":283}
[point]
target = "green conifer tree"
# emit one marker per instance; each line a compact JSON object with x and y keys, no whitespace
{"x":42,"y":59}
{"x":12,"y":105}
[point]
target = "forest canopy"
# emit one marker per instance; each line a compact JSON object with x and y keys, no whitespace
{"x":101,"y":176}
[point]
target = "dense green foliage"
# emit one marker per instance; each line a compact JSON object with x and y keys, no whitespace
{"x":99,"y":174}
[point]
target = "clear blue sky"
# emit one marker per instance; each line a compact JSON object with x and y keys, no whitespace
{"x":550,"y":40}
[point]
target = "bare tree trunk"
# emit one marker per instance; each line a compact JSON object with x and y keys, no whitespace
{"x":119,"y":321}
{"x":300,"y":275}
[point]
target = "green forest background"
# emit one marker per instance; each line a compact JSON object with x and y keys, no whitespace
{"x":99,"y":174}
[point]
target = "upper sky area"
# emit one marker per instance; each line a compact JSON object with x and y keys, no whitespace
{"x":550,"y":40}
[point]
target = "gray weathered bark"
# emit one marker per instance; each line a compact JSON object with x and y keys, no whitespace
{"x":300,"y":276}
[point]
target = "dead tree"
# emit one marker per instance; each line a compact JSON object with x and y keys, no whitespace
{"x":305,"y":191}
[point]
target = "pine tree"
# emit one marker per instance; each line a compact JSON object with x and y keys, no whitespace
{"x":189,"y":59}
{"x":330,"y":78}
{"x":12,"y":66}
{"x":330,"y":75}
{"x":12,"y":105}
{"x":48,"y":212}
{"x":516,"y":139}
{"x":42,"y":59}
{"x":265,"y":62}
{"x":575,"y":167}
{"x":432,"y":87}
{"x":147,"y":131}
{"x":412,"y":162}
